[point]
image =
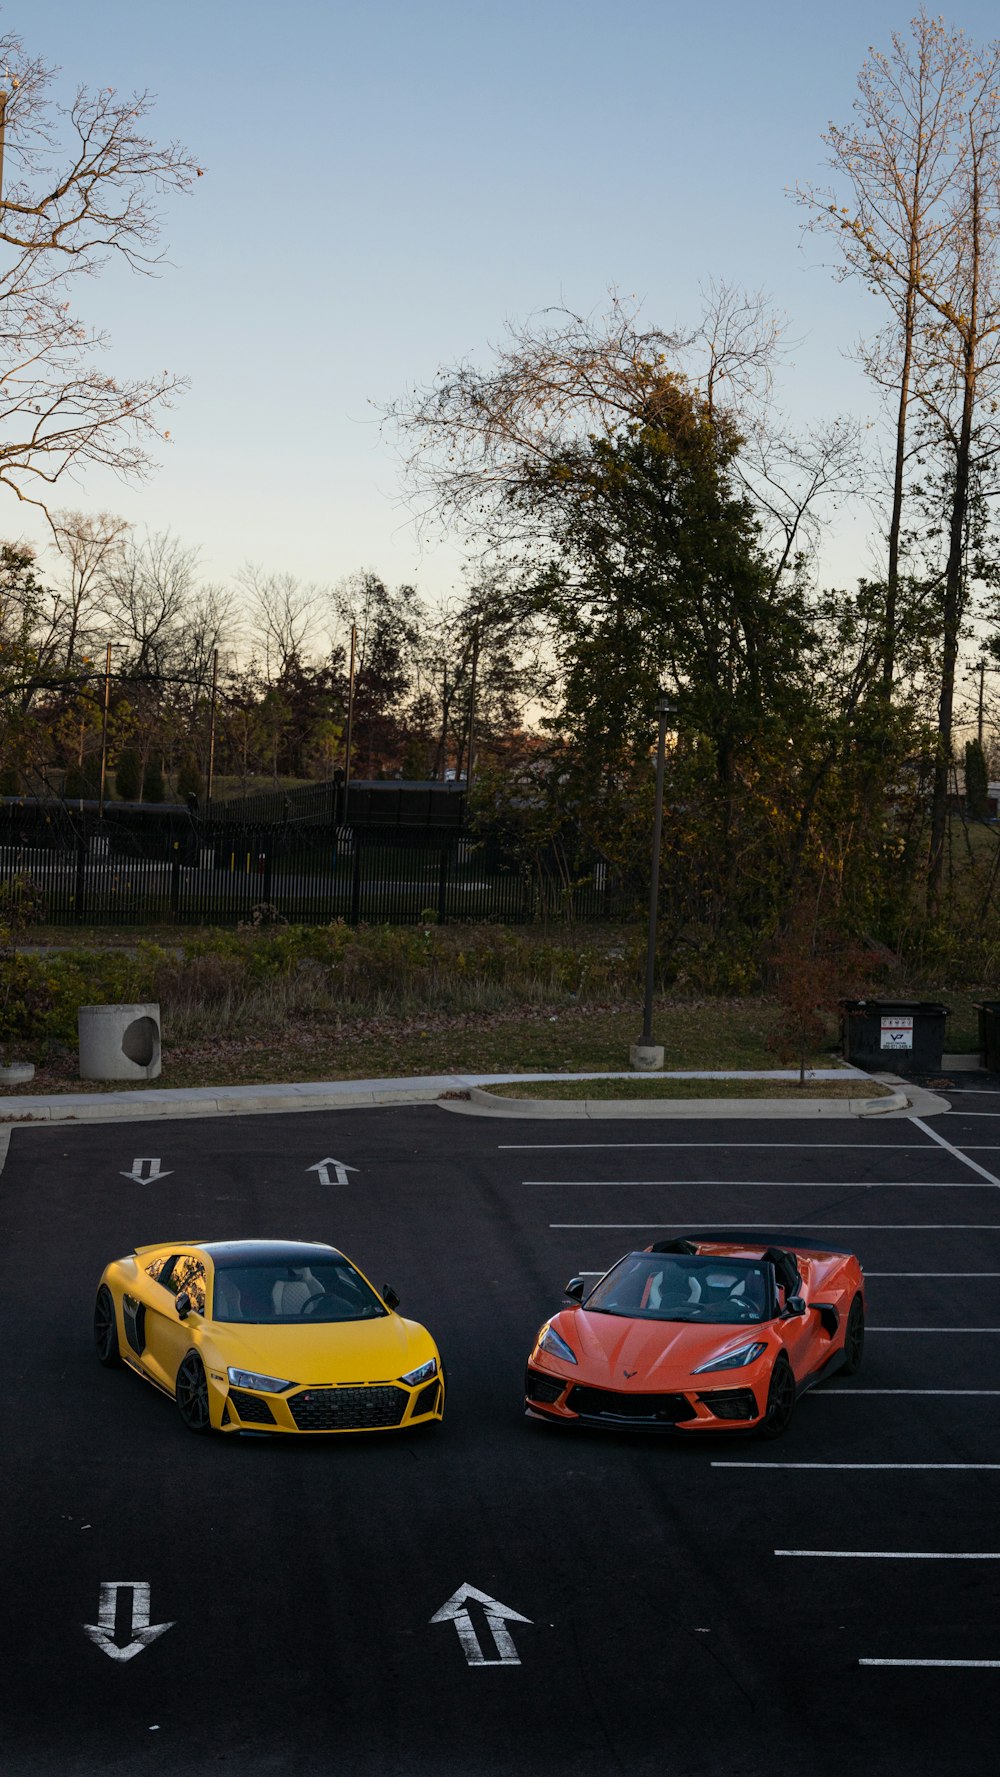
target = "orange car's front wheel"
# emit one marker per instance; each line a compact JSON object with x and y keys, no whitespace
{"x":780,"y":1400}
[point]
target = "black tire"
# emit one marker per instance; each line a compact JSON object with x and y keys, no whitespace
{"x":106,"y":1330}
{"x":780,"y":1401}
{"x":191,"y":1391}
{"x":854,"y":1339}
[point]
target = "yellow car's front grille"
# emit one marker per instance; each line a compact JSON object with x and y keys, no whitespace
{"x":348,"y":1409}
{"x":251,"y":1409}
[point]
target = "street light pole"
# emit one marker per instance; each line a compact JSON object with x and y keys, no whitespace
{"x":665,"y":711}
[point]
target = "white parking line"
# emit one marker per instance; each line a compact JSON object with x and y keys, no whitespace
{"x":883,"y":1555}
{"x":862,"y":1147}
{"x":860,"y":1465}
{"x":976,"y":1663}
{"x":964,"y":1114}
{"x":832,"y":1394}
{"x":871,"y":1329}
{"x":909,"y":1274}
{"x":807,"y":1227}
{"x":956,"y":1152}
{"x":758,"y":1184}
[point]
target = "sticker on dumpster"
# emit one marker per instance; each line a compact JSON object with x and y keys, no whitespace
{"x":897,"y":1033}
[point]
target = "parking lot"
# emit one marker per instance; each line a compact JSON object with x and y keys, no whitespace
{"x":643,"y":1605}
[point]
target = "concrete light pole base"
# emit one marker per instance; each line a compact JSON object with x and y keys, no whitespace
{"x":646,"y":1058}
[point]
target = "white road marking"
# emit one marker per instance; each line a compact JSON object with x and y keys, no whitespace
{"x":830,"y":1394}
{"x":497,"y":1617}
{"x":864,"y":1147}
{"x":955,"y":1152}
{"x":151,"y":1177}
{"x":807,"y":1227}
{"x":4,"y":1145}
{"x":322,"y":1168}
{"x":920,"y":1274}
{"x":759,"y":1184}
{"x":954,"y":1113}
{"x":976,"y":1663}
{"x":139,"y":1627}
{"x":932,"y":1329}
{"x":860,"y":1465}
{"x":884,"y":1555}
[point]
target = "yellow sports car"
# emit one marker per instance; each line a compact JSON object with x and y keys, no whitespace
{"x":275,"y":1335}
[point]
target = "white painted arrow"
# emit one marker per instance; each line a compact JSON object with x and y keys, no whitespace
{"x":142,"y":1631}
{"x":497,"y":1616}
{"x":323,"y":1168}
{"x":145,"y":1178}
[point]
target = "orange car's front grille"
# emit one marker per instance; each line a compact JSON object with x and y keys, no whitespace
{"x":607,"y":1403}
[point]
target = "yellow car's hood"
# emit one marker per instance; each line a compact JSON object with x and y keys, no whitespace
{"x":331,"y":1352}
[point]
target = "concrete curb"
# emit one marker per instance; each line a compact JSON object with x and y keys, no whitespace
{"x":334,"y":1095}
{"x":487,"y":1104}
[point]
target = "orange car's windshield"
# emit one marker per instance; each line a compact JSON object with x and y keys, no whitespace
{"x":274,"y":1294}
{"x":671,"y":1286}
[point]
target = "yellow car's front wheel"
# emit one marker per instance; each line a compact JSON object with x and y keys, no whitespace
{"x":191,"y":1391}
{"x":106,"y":1330}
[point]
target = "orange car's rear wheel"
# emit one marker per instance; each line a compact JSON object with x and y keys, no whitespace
{"x":106,"y":1330}
{"x":780,"y":1401}
{"x":854,"y":1339}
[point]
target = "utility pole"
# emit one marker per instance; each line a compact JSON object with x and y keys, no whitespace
{"x":472,"y":710}
{"x":982,"y":683}
{"x":350,"y":716}
{"x":104,"y":730}
{"x":3,"y":131}
{"x":644,"y":1055}
{"x":443,"y":750}
{"x":211,"y":733}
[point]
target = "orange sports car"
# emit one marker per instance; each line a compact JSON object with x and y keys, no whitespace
{"x":720,"y":1332}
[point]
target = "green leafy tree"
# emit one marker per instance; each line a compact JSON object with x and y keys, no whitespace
{"x":128,"y":775}
{"x":154,"y":788}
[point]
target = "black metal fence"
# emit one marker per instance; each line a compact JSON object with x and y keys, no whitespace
{"x":78,"y":870}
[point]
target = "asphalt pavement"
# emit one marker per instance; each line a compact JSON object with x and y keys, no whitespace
{"x":638,"y":1605}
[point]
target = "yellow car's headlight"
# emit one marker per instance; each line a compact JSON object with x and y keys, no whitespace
{"x":423,"y":1372}
{"x":250,"y":1379}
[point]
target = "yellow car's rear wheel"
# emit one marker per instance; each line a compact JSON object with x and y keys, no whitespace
{"x":106,"y":1330}
{"x":191,"y":1390}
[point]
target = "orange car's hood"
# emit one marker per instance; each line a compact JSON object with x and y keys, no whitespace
{"x":658,"y":1353}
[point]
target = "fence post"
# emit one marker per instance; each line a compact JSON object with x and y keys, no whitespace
{"x":175,"y":881}
{"x":79,"y":889}
{"x":356,"y":880}
{"x":267,"y":870}
{"x":443,"y":881}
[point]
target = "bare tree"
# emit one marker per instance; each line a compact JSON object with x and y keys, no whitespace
{"x":147,"y":588}
{"x":85,"y":542}
{"x":80,"y":182}
{"x":281,"y":616}
{"x":896,"y":165}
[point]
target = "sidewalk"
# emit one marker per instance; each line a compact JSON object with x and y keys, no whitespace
{"x":332,"y":1095}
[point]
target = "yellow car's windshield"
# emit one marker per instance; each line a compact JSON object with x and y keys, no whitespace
{"x":271,"y":1294}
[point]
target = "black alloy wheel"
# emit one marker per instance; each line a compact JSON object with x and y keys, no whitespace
{"x":854,"y":1339}
{"x":780,"y":1401}
{"x":105,"y":1330}
{"x":192,"y":1394}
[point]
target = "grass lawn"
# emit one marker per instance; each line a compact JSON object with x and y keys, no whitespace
{"x":576,"y":1039}
{"x":642,"y":1086}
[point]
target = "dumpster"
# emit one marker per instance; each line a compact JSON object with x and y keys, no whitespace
{"x":894,"y":1036}
{"x":989,"y":1035}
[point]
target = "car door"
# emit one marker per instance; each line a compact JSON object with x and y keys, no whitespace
{"x":168,"y":1338}
{"x":798,"y":1331}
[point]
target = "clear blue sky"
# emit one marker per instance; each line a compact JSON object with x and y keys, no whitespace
{"x":389,"y":180}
